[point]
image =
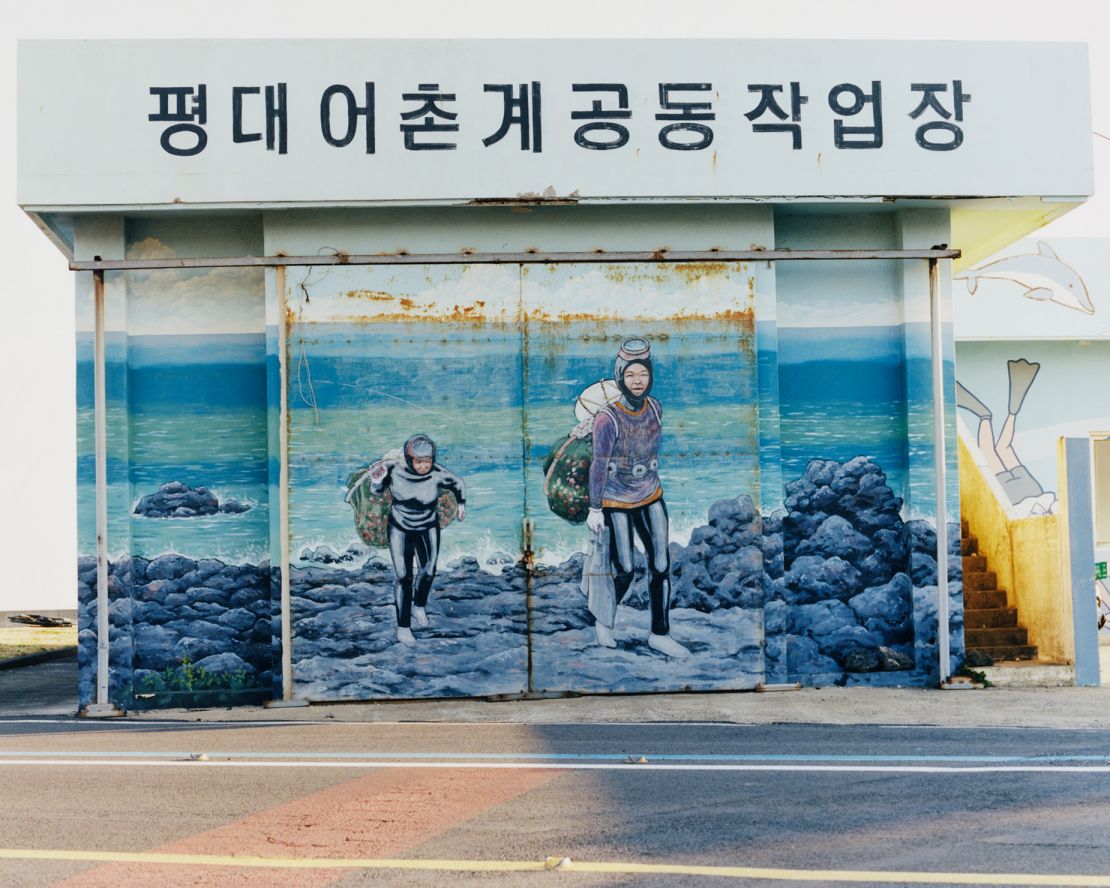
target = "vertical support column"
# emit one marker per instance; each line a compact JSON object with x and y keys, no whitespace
{"x":775,"y":607}
{"x":103,"y":706}
{"x":932,"y":487}
{"x":283,"y":493}
{"x":940,"y":479}
{"x":100,"y":409}
{"x":277,"y":387}
{"x":1077,"y":554}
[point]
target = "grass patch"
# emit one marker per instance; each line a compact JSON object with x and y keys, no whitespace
{"x":188,"y":685}
{"x":19,"y":641}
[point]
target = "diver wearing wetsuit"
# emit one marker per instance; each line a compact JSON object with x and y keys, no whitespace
{"x":415,"y":486}
{"x":626,"y":494}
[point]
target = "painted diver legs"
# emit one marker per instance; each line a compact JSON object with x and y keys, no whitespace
{"x":650,"y":524}
{"x":407,"y":547}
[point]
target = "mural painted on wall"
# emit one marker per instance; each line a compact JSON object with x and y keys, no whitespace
{"x":188,"y":533}
{"x":1042,"y":275}
{"x":406,"y":483}
{"x":1023,"y":491}
{"x":507,"y":479}
{"x":640,"y":421}
{"x":604,"y":447}
{"x":1035,"y":289}
{"x":856,"y":600}
{"x":1033,"y":370}
{"x":536,"y":345}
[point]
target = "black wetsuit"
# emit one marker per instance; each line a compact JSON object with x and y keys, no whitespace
{"x":414,"y":530}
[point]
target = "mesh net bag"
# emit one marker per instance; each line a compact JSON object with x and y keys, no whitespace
{"x":567,"y":478}
{"x":372,"y":509}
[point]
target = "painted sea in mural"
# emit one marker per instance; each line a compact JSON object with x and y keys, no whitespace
{"x":197,"y":421}
{"x":195,"y":413}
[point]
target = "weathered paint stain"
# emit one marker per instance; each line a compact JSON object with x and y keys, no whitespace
{"x":744,"y":317}
{"x":663,"y":272}
{"x":371,"y":295}
{"x":737,"y":311}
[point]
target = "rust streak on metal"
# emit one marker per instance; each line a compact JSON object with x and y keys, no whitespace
{"x":731,"y":316}
{"x":666,"y":272}
{"x":403,"y":257}
{"x":371,"y":295}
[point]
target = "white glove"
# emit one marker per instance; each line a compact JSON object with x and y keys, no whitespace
{"x":460,"y":513}
{"x":595,"y":521}
{"x":377,"y":472}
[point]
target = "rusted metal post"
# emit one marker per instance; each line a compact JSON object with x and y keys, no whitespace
{"x":940,"y":468}
{"x":283,"y":491}
{"x":282,"y":505}
{"x":103,"y":706}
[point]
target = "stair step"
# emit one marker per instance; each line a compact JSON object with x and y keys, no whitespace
{"x":1008,"y":651}
{"x":995,"y":636}
{"x":973,"y":563}
{"x":969,"y":545}
{"x":980,"y":580}
{"x":984,"y":599}
{"x":990,"y":618}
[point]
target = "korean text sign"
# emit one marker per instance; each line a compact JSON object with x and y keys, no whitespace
{"x":363,"y":121}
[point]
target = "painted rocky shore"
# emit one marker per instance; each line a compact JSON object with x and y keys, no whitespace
{"x":178,"y":500}
{"x":183,"y":631}
{"x":838,"y":589}
{"x":857,"y":592}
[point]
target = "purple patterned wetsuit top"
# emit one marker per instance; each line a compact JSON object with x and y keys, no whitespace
{"x":624,"y":473}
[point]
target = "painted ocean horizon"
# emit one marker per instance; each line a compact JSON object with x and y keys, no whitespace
{"x":195,"y":417}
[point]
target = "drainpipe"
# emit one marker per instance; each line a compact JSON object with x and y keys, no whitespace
{"x":940,"y":479}
{"x":103,"y":707}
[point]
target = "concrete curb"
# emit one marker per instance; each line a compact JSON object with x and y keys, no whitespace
{"x":41,"y":657}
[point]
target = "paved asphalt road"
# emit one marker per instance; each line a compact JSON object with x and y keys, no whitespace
{"x":757,"y":800}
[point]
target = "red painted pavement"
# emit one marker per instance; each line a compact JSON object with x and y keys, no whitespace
{"x":383,"y":814}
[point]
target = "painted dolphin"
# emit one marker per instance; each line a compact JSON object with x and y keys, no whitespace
{"x":1042,"y":274}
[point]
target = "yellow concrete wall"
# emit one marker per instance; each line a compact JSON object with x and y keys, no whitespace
{"x":1025,"y":555}
{"x":1039,"y":593}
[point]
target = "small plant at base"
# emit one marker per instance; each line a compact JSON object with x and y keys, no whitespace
{"x":974,"y":675}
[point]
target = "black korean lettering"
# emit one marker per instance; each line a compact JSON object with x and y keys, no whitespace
{"x":349,"y":113}
{"x":930,"y":101}
{"x":237,"y":133}
{"x":847,"y":137}
{"x":276,"y":119}
{"x":429,"y":95}
{"x":685,"y":113}
{"x":602,"y":118}
{"x":522,"y":110}
{"x":769,"y":103}
{"x":187,"y":109}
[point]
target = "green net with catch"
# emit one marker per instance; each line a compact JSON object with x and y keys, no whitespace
{"x":567,"y":478}
{"x":372,"y":509}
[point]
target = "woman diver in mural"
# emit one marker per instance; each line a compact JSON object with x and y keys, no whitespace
{"x":626,"y":495}
{"x":415,"y":483}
